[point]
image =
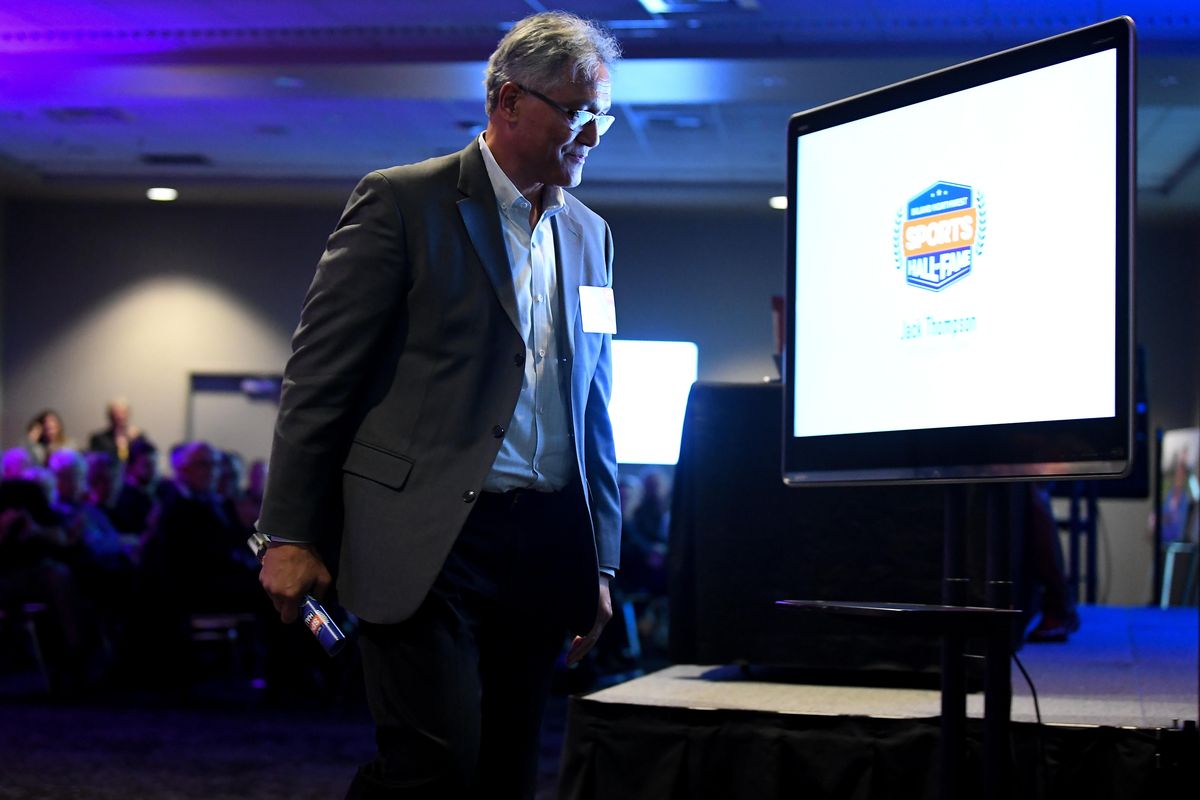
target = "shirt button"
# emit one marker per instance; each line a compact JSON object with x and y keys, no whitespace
{"x":469,"y":496}
{"x":498,"y":431}
{"x":537,"y":298}
{"x":542,"y":352}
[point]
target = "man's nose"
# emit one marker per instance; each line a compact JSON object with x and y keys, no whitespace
{"x":589,"y":134}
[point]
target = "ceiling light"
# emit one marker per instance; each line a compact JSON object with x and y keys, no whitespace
{"x":778,"y":202}
{"x":163,"y":194}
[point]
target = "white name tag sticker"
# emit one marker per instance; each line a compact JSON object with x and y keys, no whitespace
{"x":597,"y":309}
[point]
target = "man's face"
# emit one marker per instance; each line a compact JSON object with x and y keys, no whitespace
{"x":100,"y":481}
{"x":118,"y":415}
{"x":143,"y":468}
{"x":196,"y":471}
{"x":70,"y":482}
{"x":551,"y":153}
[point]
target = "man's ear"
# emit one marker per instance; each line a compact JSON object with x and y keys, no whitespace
{"x":506,"y":102}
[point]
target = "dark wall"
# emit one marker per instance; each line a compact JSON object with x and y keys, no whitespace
{"x":107,"y":299}
{"x":1167,"y":306}
{"x":705,"y":276}
{"x":71,"y":269}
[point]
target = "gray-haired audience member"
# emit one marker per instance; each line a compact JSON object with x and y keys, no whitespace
{"x":120,"y":433}
{"x":16,"y":461}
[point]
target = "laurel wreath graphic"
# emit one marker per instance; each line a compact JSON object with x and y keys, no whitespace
{"x":896,"y":249}
{"x":981,"y":227}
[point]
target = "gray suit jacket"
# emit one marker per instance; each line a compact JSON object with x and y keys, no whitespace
{"x":405,"y":368}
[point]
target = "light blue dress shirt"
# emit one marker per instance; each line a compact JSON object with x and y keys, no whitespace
{"x":537,"y":452}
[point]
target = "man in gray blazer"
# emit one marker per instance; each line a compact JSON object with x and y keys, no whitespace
{"x":444,"y":432}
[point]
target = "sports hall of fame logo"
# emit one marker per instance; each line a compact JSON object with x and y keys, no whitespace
{"x":938,"y":235}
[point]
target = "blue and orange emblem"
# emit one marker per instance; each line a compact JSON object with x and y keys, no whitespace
{"x":938,"y":235}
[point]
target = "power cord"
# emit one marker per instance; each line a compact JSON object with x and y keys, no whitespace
{"x":1032,"y":689}
{"x":1040,"y":784}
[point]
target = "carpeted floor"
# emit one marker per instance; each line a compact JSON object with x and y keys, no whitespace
{"x":105,"y":752}
{"x":218,"y":745}
{"x":218,"y":736}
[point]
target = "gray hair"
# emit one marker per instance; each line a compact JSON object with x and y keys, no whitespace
{"x":64,"y":460}
{"x":539,"y":48}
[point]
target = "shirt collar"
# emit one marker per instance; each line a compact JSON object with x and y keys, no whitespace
{"x":507,"y":196}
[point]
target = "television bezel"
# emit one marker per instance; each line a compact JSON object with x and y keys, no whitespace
{"x":1078,"y":448}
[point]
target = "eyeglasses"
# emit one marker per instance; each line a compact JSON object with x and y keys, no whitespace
{"x":575,"y":119}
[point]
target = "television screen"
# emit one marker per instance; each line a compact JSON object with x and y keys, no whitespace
{"x":960,"y":271}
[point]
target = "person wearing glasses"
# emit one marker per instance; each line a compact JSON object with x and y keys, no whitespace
{"x":443,"y":435}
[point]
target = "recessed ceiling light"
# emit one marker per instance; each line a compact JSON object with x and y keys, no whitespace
{"x":778,"y":202}
{"x":163,"y":194}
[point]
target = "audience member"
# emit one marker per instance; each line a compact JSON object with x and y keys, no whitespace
{"x":136,"y":497}
{"x":256,"y":480}
{"x":34,"y":551}
{"x":650,"y":518}
{"x":251,"y":503}
{"x":72,"y":528}
{"x":16,"y":461}
{"x":166,"y":491}
{"x":45,"y":436}
{"x":193,"y":556}
{"x":44,"y":479}
{"x":120,"y":433}
{"x":643,"y":560}
{"x":101,"y":482}
{"x":644,"y":534}
{"x":96,"y":532}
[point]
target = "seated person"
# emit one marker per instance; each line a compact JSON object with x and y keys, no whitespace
{"x":98,"y":534}
{"x":34,"y":551}
{"x":135,"y":499}
{"x":230,"y":495}
{"x":16,"y":461}
{"x":45,"y":436}
{"x":193,"y":557}
{"x":120,"y":434}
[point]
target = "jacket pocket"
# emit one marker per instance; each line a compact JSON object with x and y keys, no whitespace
{"x":375,"y":464}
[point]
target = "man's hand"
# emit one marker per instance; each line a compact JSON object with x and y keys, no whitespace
{"x":290,"y":571}
{"x":582,"y":644}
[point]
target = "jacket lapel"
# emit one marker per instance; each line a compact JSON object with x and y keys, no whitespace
{"x":481,"y":217}
{"x":569,"y":240}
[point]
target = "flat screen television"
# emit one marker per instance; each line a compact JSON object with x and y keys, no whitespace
{"x":960,"y":271}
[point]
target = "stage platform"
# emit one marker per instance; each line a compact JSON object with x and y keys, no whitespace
{"x":1118,"y":706}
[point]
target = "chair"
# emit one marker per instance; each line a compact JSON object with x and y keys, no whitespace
{"x":1170,"y":552}
{"x":1181,"y":539}
{"x":22,"y":619}
{"x":230,"y":633}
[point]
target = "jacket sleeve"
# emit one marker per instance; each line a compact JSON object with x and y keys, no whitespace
{"x":600,"y":451}
{"x":354,"y":298}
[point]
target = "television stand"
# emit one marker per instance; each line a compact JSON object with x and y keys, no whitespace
{"x":955,"y":622}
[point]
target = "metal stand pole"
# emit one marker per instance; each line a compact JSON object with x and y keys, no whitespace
{"x":954,"y":677}
{"x":1003,"y":509}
